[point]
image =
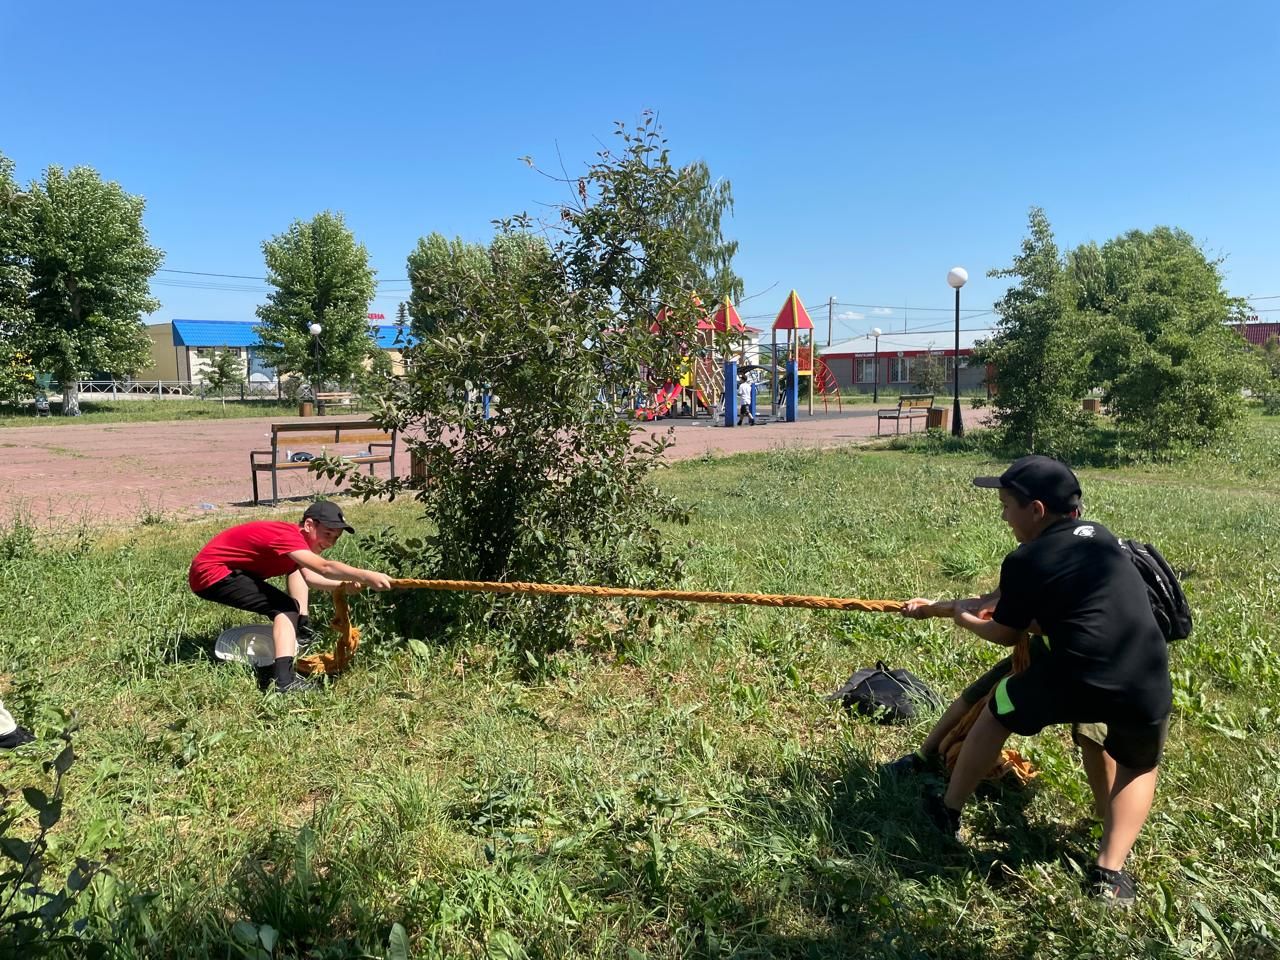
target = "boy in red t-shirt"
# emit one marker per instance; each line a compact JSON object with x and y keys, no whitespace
{"x":233,"y":568}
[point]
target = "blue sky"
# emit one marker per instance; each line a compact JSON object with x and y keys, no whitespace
{"x":870,"y":146}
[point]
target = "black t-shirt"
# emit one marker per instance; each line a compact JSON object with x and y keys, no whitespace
{"x":1091,"y":602}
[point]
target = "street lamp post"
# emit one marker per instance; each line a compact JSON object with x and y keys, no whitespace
{"x":314,"y":330}
{"x":875,"y":367}
{"x":957,"y":277}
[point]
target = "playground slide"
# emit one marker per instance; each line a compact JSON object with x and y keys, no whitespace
{"x":667,"y":395}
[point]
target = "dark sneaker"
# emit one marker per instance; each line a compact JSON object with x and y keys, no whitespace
{"x":300,"y":685}
{"x":16,"y":738}
{"x":941,"y":816}
{"x":908,"y":766}
{"x":1112,"y":886}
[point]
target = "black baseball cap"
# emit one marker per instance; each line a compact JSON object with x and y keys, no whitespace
{"x":328,"y":514}
{"x":1039,"y":478}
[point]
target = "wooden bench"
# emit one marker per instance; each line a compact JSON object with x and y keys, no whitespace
{"x":325,"y":433}
{"x":911,"y":407}
{"x":335,"y":402}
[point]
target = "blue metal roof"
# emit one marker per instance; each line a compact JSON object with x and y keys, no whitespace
{"x":239,"y":333}
{"x":214,"y":333}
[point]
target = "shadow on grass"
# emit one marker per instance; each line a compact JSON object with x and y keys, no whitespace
{"x":869,"y":875}
{"x":195,"y":647}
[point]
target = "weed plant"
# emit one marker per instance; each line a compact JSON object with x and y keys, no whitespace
{"x":673,"y":785}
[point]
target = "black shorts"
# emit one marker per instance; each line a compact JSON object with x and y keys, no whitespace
{"x":1027,"y":702}
{"x":247,"y":592}
{"x":1081,"y":733}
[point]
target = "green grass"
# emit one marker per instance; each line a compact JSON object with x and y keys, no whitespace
{"x":692,"y":796}
{"x":130,"y":411}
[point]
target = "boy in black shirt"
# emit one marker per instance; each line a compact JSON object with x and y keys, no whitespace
{"x":1107,"y":660}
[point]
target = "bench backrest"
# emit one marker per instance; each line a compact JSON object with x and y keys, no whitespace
{"x":911,"y":401}
{"x":333,"y":431}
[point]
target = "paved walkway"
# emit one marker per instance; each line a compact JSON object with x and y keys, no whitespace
{"x":145,"y":471}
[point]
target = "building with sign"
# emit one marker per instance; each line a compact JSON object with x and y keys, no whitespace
{"x":894,"y":359}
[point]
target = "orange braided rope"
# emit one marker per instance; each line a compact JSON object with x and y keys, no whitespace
{"x":1011,"y":761}
{"x":349,"y":634}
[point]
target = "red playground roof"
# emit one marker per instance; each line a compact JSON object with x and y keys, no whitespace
{"x":793,"y":315}
{"x":725,"y":318}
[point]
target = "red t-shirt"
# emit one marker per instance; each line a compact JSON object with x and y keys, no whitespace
{"x":261,"y":548}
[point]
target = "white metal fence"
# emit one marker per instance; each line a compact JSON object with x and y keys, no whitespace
{"x":173,"y":389}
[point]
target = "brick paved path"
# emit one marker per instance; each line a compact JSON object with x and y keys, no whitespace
{"x":135,"y":471}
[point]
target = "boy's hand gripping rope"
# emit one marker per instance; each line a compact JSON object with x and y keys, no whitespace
{"x":349,"y":634}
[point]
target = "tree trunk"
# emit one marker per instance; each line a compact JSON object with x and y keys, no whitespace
{"x":71,"y":396}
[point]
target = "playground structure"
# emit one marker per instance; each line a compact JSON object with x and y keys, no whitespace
{"x":702,"y":382}
{"x":800,"y":361}
{"x":714,"y":357}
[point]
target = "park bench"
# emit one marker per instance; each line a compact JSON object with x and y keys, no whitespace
{"x":911,"y":407}
{"x":335,"y":402}
{"x":363,"y":440}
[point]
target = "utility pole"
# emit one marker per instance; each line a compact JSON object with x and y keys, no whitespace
{"x":831,"y":309}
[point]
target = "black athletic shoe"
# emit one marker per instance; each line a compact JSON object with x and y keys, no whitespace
{"x":16,"y":738}
{"x":1112,"y":886}
{"x":300,"y":685}
{"x":908,"y":766}
{"x":941,"y":816}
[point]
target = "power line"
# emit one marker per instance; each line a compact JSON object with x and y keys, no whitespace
{"x":203,"y":273}
{"x":241,"y":276}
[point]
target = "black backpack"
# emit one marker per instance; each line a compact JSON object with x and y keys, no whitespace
{"x":889,"y":696}
{"x":1168,"y":602}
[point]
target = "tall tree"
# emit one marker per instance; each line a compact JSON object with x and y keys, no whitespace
{"x":15,"y":282}
{"x":1172,"y":371}
{"x":446,"y":277}
{"x":90,"y":266}
{"x":224,"y":370}
{"x":321,"y":275}
{"x":699,"y":207}
{"x":1037,"y":352}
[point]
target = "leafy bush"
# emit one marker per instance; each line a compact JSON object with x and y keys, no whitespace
{"x":1268,"y":381}
{"x":1172,"y":371}
{"x":36,"y":917}
{"x":551,"y":485}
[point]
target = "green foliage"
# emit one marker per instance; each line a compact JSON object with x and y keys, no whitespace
{"x":225,"y":370}
{"x":552,"y":487}
{"x":1172,"y":371}
{"x":15,"y":281}
{"x":931,"y":374}
{"x":38,"y":918}
{"x":1037,"y":352}
{"x":698,"y":212}
{"x":1268,"y":381}
{"x":1141,"y":318}
{"x":90,"y":265}
{"x":321,"y":275}
{"x":447,"y":279}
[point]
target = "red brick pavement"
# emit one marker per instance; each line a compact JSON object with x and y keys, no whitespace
{"x":132,"y":471}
